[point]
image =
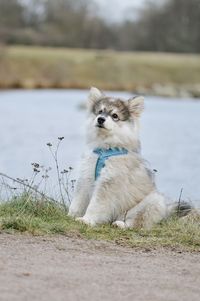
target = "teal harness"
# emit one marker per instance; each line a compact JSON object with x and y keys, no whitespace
{"x":104,"y":154}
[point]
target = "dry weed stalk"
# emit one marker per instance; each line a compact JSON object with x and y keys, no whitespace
{"x":41,"y":173}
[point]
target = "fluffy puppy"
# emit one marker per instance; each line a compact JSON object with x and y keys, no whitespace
{"x":115,"y":185}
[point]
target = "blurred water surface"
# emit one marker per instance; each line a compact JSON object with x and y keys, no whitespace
{"x":170,"y":135}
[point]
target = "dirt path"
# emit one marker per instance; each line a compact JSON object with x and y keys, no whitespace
{"x":60,"y":268}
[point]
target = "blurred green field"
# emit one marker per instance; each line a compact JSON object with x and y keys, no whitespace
{"x":146,"y":73}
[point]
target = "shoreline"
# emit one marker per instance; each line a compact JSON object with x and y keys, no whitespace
{"x":166,"y":92}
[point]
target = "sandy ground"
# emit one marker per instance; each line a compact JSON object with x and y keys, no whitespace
{"x":61,"y":268}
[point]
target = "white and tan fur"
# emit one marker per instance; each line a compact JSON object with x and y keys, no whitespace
{"x":125,"y":193}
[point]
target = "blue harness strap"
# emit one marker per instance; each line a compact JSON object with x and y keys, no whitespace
{"x":103,"y":155}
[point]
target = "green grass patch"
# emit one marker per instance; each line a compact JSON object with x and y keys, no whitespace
{"x":40,"y":217}
{"x":40,"y":67}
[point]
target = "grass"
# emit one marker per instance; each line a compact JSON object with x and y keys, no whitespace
{"x":40,"y":217}
{"x":154,"y":73}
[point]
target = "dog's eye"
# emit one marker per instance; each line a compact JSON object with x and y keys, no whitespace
{"x":100,"y":111}
{"x":115,"y":116}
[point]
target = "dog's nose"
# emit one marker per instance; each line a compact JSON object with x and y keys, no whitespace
{"x":101,"y":120}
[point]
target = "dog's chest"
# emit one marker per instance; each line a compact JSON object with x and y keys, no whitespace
{"x":105,"y":154}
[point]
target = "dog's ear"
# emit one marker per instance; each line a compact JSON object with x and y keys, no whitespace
{"x":136,"y":105}
{"x":94,"y":95}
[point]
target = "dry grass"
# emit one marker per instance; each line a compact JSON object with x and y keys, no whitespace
{"x":35,"y":67}
{"x":40,"y":217}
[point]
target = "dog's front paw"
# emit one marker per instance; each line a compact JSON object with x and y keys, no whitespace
{"x":86,"y":221}
{"x":120,"y":224}
{"x":73,"y":213}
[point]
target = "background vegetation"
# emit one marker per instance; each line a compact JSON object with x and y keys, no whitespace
{"x":108,"y":54}
{"x":172,"y":26}
{"x":139,"y":72}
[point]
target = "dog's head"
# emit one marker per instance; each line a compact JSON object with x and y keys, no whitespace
{"x":113,"y":122}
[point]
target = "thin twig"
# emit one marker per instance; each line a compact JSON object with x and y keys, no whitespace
{"x":55,"y":156}
{"x":67,"y":176}
{"x":179,"y":201}
{"x":28,"y":186}
{"x":67,"y":192}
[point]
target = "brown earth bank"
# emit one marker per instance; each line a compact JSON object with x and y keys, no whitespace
{"x":61,"y":268}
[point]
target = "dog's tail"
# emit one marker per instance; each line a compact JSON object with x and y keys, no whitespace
{"x":179,"y":209}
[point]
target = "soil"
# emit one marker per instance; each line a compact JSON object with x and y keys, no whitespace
{"x":63,"y":268}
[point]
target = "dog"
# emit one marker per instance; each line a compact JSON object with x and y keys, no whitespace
{"x":115,"y":185}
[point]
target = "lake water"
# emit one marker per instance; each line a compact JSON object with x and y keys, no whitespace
{"x":170,"y":135}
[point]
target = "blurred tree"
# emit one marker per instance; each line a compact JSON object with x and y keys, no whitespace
{"x":173,"y":26}
{"x":170,"y":25}
{"x":11,"y":14}
{"x":183,"y":30}
{"x":77,"y":24}
{"x":11,"y":18}
{"x":67,"y":19}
